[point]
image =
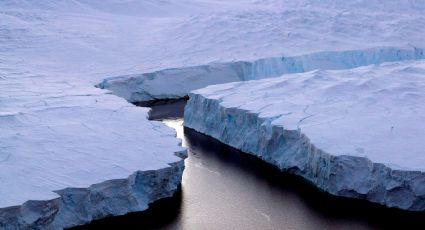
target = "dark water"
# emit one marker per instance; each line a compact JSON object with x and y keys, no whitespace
{"x":223,"y":188}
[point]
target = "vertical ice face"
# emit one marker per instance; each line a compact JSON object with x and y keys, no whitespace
{"x":353,"y":133}
{"x":77,"y":206}
{"x":178,"y":82}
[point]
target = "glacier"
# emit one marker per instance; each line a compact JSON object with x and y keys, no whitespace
{"x":263,"y":39}
{"x":71,"y":153}
{"x":178,"y":82}
{"x":353,"y":133}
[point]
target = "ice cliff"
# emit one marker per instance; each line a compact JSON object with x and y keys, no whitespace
{"x":70,"y":153}
{"x":178,"y":82}
{"x":353,"y":133}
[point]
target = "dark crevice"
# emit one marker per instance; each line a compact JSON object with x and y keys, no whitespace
{"x":160,"y":102}
{"x":174,"y":108}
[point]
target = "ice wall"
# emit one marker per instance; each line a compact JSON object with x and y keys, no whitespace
{"x":356,"y":133}
{"x":77,"y":206}
{"x":177,"y":82}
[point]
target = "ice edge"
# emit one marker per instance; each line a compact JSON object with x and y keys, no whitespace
{"x":292,"y":151}
{"x":77,"y":206}
{"x":175,"y":83}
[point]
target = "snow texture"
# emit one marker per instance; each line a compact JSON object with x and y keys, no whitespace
{"x":239,"y":40}
{"x":59,"y":133}
{"x":353,"y":133}
{"x":70,"y":154}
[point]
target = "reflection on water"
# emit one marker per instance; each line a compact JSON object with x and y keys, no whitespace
{"x":226,"y":189}
{"x":177,"y":124}
{"x":223,"y":188}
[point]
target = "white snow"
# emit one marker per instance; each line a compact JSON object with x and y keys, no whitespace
{"x":57,"y":135}
{"x":58,"y":131}
{"x":71,"y":153}
{"x":308,"y":34}
{"x":364,"y":126}
{"x":54,"y":137}
{"x":97,"y":39}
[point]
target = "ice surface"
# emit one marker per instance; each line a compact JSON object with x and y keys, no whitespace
{"x":93,"y":40}
{"x":64,"y":145}
{"x":57,"y":131}
{"x":269,"y":38}
{"x":71,"y":153}
{"x":355,"y":133}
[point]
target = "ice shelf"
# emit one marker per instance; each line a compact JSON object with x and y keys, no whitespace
{"x":178,"y":82}
{"x":71,"y":153}
{"x":353,"y":133}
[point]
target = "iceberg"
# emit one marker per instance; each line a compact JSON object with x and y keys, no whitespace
{"x":353,"y":133}
{"x":71,"y":153}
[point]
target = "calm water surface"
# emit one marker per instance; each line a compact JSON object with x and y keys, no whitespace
{"x":223,"y":188}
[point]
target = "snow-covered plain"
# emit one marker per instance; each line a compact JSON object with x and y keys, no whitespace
{"x":269,"y":38}
{"x":52,"y":53}
{"x":355,"y":133}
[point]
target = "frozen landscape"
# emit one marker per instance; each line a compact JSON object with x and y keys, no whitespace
{"x":70,"y":154}
{"x":62,"y":139}
{"x":353,"y":133}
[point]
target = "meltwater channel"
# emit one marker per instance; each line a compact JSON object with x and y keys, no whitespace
{"x":223,"y":188}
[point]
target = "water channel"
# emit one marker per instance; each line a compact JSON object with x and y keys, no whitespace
{"x":223,"y":188}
